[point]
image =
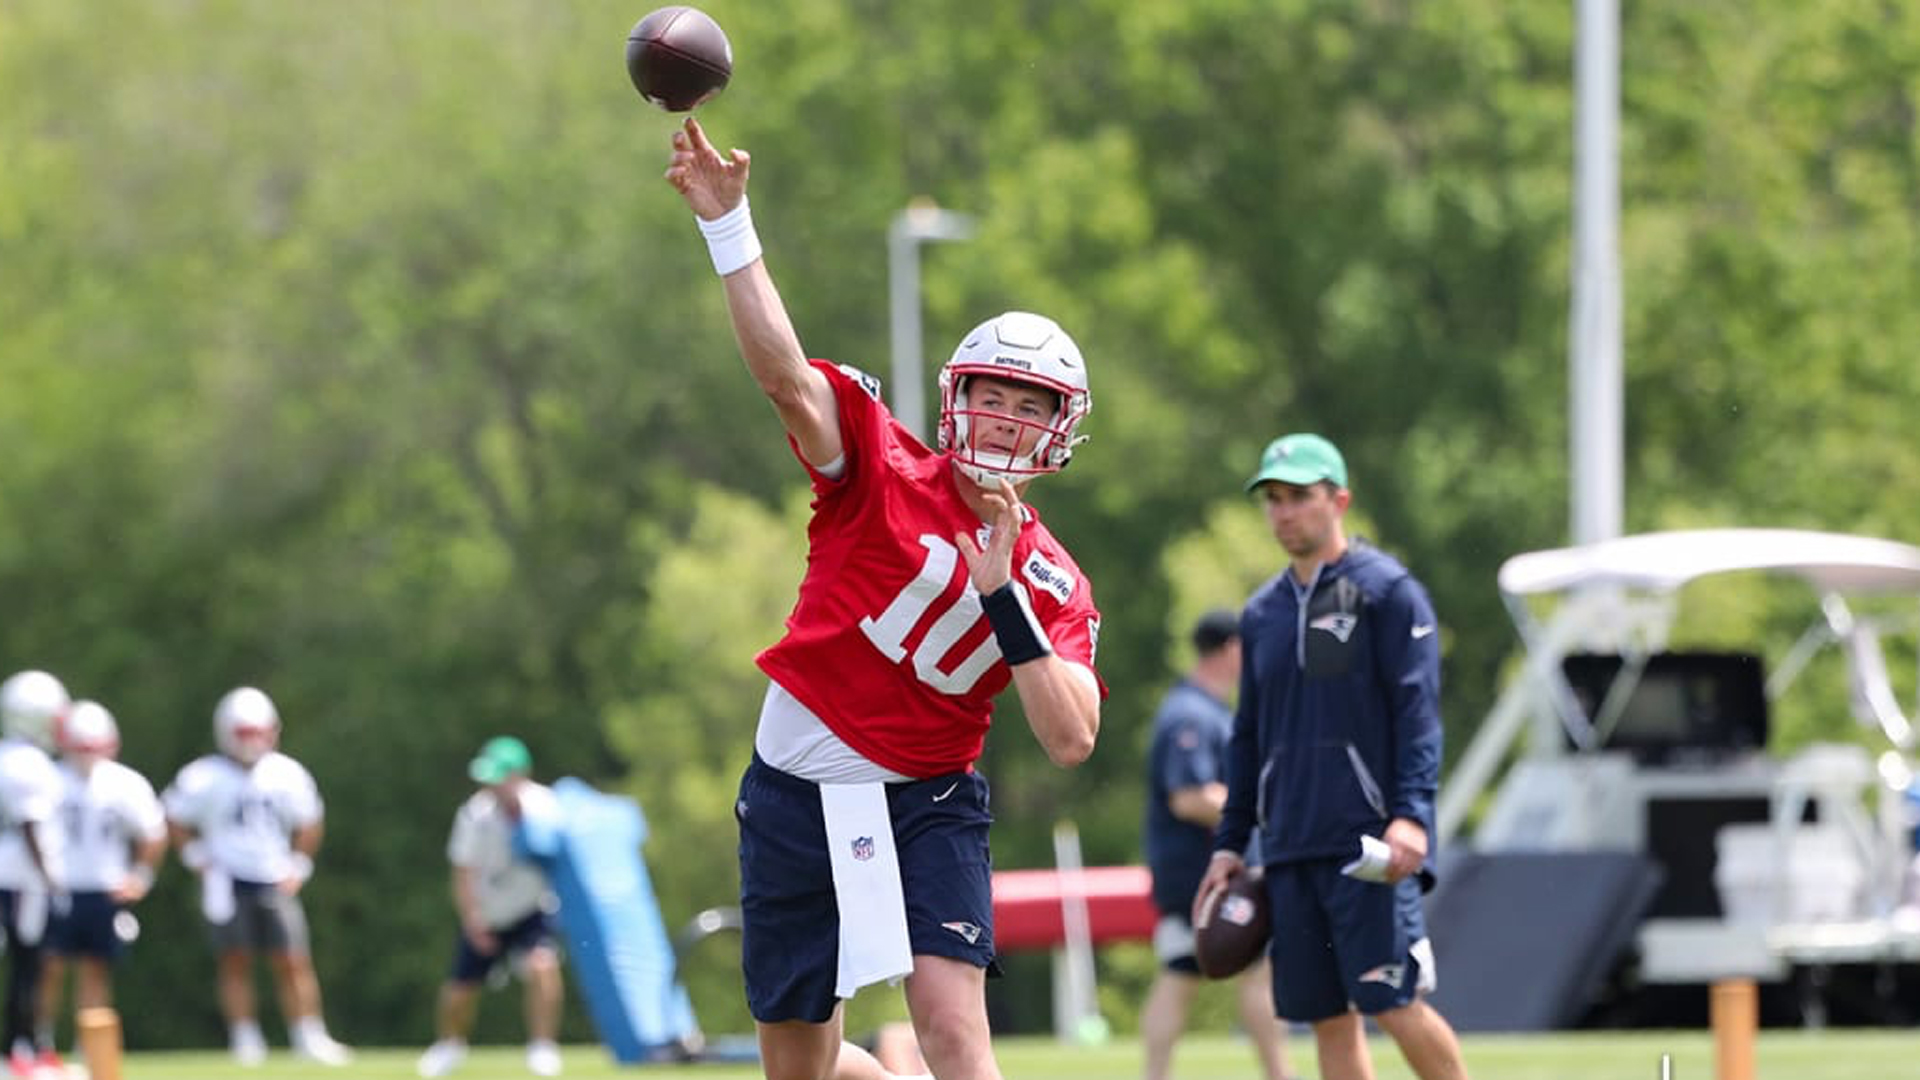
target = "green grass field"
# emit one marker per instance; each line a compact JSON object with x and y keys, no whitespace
{"x":1782,"y":1055}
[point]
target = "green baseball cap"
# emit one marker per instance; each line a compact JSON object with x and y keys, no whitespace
{"x":500,"y":758}
{"x":1300,"y":459}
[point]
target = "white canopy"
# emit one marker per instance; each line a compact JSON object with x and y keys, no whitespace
{"x":1664,"y":561}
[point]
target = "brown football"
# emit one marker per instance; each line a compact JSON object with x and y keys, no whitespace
{"x":1234,"y":927}
{"x":678,"y":57}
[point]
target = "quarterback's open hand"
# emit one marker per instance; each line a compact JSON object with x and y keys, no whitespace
{"x":711,"y":183}
{"x":992,"y":566}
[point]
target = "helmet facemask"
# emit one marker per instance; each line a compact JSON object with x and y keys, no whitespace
{"x":987,"y":465}
{"x":1030,"y":350}
{"x":247,"y":745}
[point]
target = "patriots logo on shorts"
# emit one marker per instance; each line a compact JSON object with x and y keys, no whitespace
{"x":863,"y":848}
{"x":965,"y":929}
{"x":1390,"y":974}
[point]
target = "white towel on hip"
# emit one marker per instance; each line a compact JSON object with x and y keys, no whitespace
{"x":216,"y":896}
{"x":866,"y":884}
{"x":30,"y":916}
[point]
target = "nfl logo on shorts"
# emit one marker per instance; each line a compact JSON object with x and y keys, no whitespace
{"x":863,"y":848}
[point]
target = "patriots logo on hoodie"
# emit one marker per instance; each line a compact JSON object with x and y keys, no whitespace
{"x":1340,"y":624}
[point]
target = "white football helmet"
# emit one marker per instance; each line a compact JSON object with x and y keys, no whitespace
{"x":246,"y":725}
{"x":90,"y":729}
{"x":33,"y":704}
{"x":1018,"y":346}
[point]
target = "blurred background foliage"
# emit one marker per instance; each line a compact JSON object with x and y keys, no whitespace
{"x":357,"y":350}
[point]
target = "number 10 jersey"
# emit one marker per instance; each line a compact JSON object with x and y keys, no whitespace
{"x":887,"y":643}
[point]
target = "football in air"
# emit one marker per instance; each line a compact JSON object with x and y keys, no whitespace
{"x":678,"y":57}
{"x":1233,"y":927}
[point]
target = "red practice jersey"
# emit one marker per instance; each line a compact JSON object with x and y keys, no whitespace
{"x":888,"y":644}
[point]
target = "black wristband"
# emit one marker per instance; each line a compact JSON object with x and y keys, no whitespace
{"x":1014,"y":627}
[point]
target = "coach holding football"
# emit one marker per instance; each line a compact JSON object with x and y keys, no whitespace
{"x":1336,"y":743}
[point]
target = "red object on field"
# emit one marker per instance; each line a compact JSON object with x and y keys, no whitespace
{"x":1027,"y":914}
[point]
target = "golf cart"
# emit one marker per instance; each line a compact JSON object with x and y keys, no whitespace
{"x":1640,"y":836}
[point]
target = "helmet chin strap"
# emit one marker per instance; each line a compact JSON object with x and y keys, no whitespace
{"x":986,"y":477}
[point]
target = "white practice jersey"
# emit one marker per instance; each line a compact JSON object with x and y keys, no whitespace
{"x":29,"y":793}
{"x":506,"y":887}
{"x":245,"y":817}
{"x":103,"y":815}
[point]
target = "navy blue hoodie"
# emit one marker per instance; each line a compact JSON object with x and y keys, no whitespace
{"x":1338,"y":726}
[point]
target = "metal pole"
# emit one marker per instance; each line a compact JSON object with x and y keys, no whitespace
{"x":1594,"y":408}
{"x":919,"y":223}
{"x":903,"y":305}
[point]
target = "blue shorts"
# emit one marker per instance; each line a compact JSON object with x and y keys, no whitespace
{"x":1337,"y":941}
{"x":471,"y":966}
{"x":264,"y":920}
{"x":89,"y":927}
{"x":790,"y":922}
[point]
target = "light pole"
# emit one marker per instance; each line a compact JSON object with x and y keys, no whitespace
{"x":919,"y":223}
{"x":1595,"y":410}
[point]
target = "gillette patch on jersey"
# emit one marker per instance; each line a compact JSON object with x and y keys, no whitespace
{"x":1047,"y":576}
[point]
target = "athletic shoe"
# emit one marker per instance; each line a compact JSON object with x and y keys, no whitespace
{"x":21,"y":1065}
{"x":50,"y":1067}
{"x":441,"y":1058}
{"x":543,"y":1058}
{"x":322,"y":1049}
{"x":249,"y":1050}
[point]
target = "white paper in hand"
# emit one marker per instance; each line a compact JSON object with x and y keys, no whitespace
{"x":1371,"y":864}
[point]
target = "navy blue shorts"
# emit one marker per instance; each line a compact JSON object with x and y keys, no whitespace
{"x":790,"y":938}
{"x":472,"y":966}
{"x":1337,"y":940}
{"x":89,"y":927}
{"x":264,"y":920}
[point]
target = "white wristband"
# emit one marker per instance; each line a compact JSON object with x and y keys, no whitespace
{"x":302,"y":865}
{"x":731,"y":241}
